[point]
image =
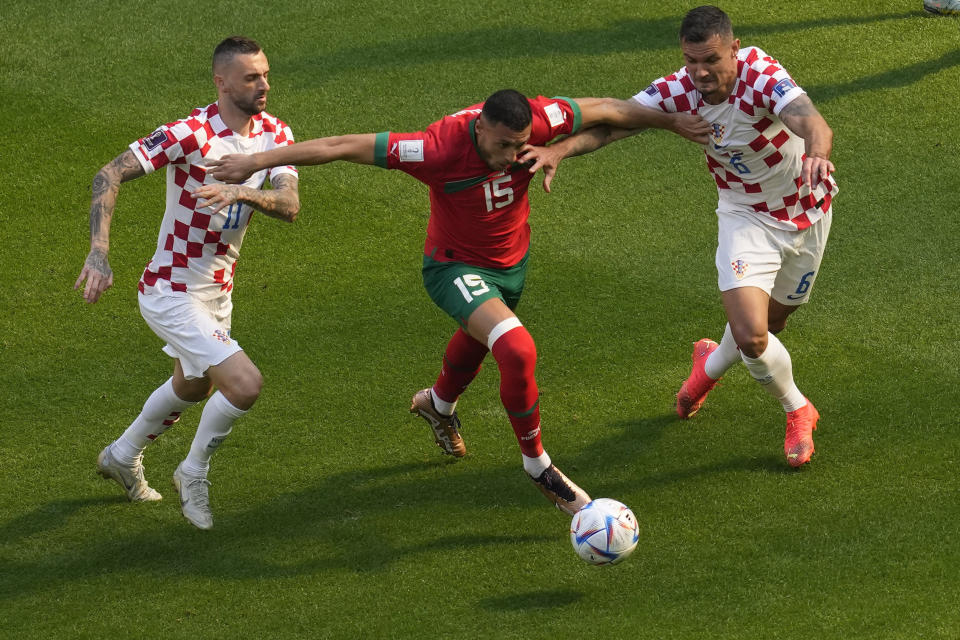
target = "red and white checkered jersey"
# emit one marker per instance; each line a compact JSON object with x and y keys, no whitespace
{"x":754,"y":158}
{"x":197,"y":251}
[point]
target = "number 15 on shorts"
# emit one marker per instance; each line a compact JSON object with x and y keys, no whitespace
{"x":470,"y":286}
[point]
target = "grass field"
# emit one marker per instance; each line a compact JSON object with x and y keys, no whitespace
{"x":336,"y":516}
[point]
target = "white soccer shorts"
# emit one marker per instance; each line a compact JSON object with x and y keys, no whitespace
{"x":782,"y":263}
{"x":197,"y":332}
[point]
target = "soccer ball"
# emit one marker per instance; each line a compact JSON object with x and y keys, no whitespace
{"x":604,"y":532}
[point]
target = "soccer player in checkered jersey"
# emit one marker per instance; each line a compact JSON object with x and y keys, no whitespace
{"x":769,"y":155}
{"x":185,"y":290}
{"x":476,"y":251}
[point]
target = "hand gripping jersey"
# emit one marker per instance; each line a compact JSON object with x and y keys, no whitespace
{"x":477,"y":215}
{"x":197,"y":252}
{"x":754,"y":158}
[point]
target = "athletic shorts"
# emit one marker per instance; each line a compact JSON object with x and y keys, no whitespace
{"x":782,"y":263}
{"x":460,"y":288}
{"x":197,"y":332}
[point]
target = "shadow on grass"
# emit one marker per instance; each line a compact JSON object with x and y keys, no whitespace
{"x":502,"y":43}
{"x":628,"y":443}
{"x":362,"y":521}
{"x":543,"y":599}
{"x":892,"y":79}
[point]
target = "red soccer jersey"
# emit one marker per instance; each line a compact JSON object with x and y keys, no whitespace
{"x":477,"y":215}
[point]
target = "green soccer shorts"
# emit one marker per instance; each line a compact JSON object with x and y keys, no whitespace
{"x":460,"y":288}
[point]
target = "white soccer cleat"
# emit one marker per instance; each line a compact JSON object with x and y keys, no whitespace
{"x":942,"y":7}
{"x":129,"y":477}
{"x":194,"y":498}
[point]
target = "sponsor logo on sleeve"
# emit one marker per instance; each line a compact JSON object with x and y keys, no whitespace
{"x":155,"y":139}
{"x":554,"y":114}
{"x":651,"y":90}
{"x":784,"y":86}
{"x":411,"y":151}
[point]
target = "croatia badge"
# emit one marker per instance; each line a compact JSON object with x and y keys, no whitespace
{"x":739,"y":268}
{"x":718,"y":131}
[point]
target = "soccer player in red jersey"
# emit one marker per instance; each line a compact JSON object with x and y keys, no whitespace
{"x":769,"y":154}
{"x":475,"y":255}
{"x":185,"y":290}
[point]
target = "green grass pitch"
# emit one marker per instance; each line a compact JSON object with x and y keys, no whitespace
{"x":336,"y":516}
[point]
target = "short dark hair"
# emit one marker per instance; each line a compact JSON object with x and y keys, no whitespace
{"x":702,"y":23}
{"x":508,"y":107}
{"x":232,"y":46}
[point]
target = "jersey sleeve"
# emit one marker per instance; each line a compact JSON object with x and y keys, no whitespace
{"x":282,"y":137}
{"x":673,"y":93}
{"x":161,"y":147}
{"x":553,"y":117}
{"x":418,"y":154}
{"x":772,"y":85}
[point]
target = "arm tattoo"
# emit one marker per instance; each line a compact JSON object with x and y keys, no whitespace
{"x":106,"y":184}
{"x":281,"y":202}
{"x":801,"y":107}
{"x":128,"y":167}
{"x":97,"y":260}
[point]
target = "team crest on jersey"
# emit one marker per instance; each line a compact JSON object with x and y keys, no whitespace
{"x":155,"y":139}
{"x":784,"y":86}
{"x":222,"y":336}
{"x":718,"y":131}
{"x":739,"y":268}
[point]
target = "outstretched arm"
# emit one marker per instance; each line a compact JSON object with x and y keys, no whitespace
{"x":96,"y":269}
{"x":585,"y":141}
{"x":802,"y":117}
{"x":630,"y":114}
{"x":281,"y":202}
{"x":357,"y":148}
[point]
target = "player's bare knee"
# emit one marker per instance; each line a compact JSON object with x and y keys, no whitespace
{"x":244,"y":390}
{"x":752,"y":345}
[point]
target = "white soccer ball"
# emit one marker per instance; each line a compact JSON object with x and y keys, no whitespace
{"x":605,"y":531}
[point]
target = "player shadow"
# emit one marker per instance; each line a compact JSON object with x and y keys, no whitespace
{"x":893,"y":79}
{"x":49,"y":517}
{"x":359,"y":521}
{"x":532,"y":600}
{"x":497,"y":44}
{"x":627,"y":445}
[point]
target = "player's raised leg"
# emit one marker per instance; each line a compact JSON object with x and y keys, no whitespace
{"x":437,"y":405}
{"x":238,"y":383}
{"x":769,"y":363}
{"x":516,"y":355}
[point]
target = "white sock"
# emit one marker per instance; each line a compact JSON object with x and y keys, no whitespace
{"x":774,"y":371}
{"x":215,"y":425}
{"x":723,"y":357}
{"x":159,"y":412}
{"x":535,"y":466}
{"x":441,"y":405}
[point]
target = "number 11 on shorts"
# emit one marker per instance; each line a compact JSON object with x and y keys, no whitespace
{"x":470,"y":286}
